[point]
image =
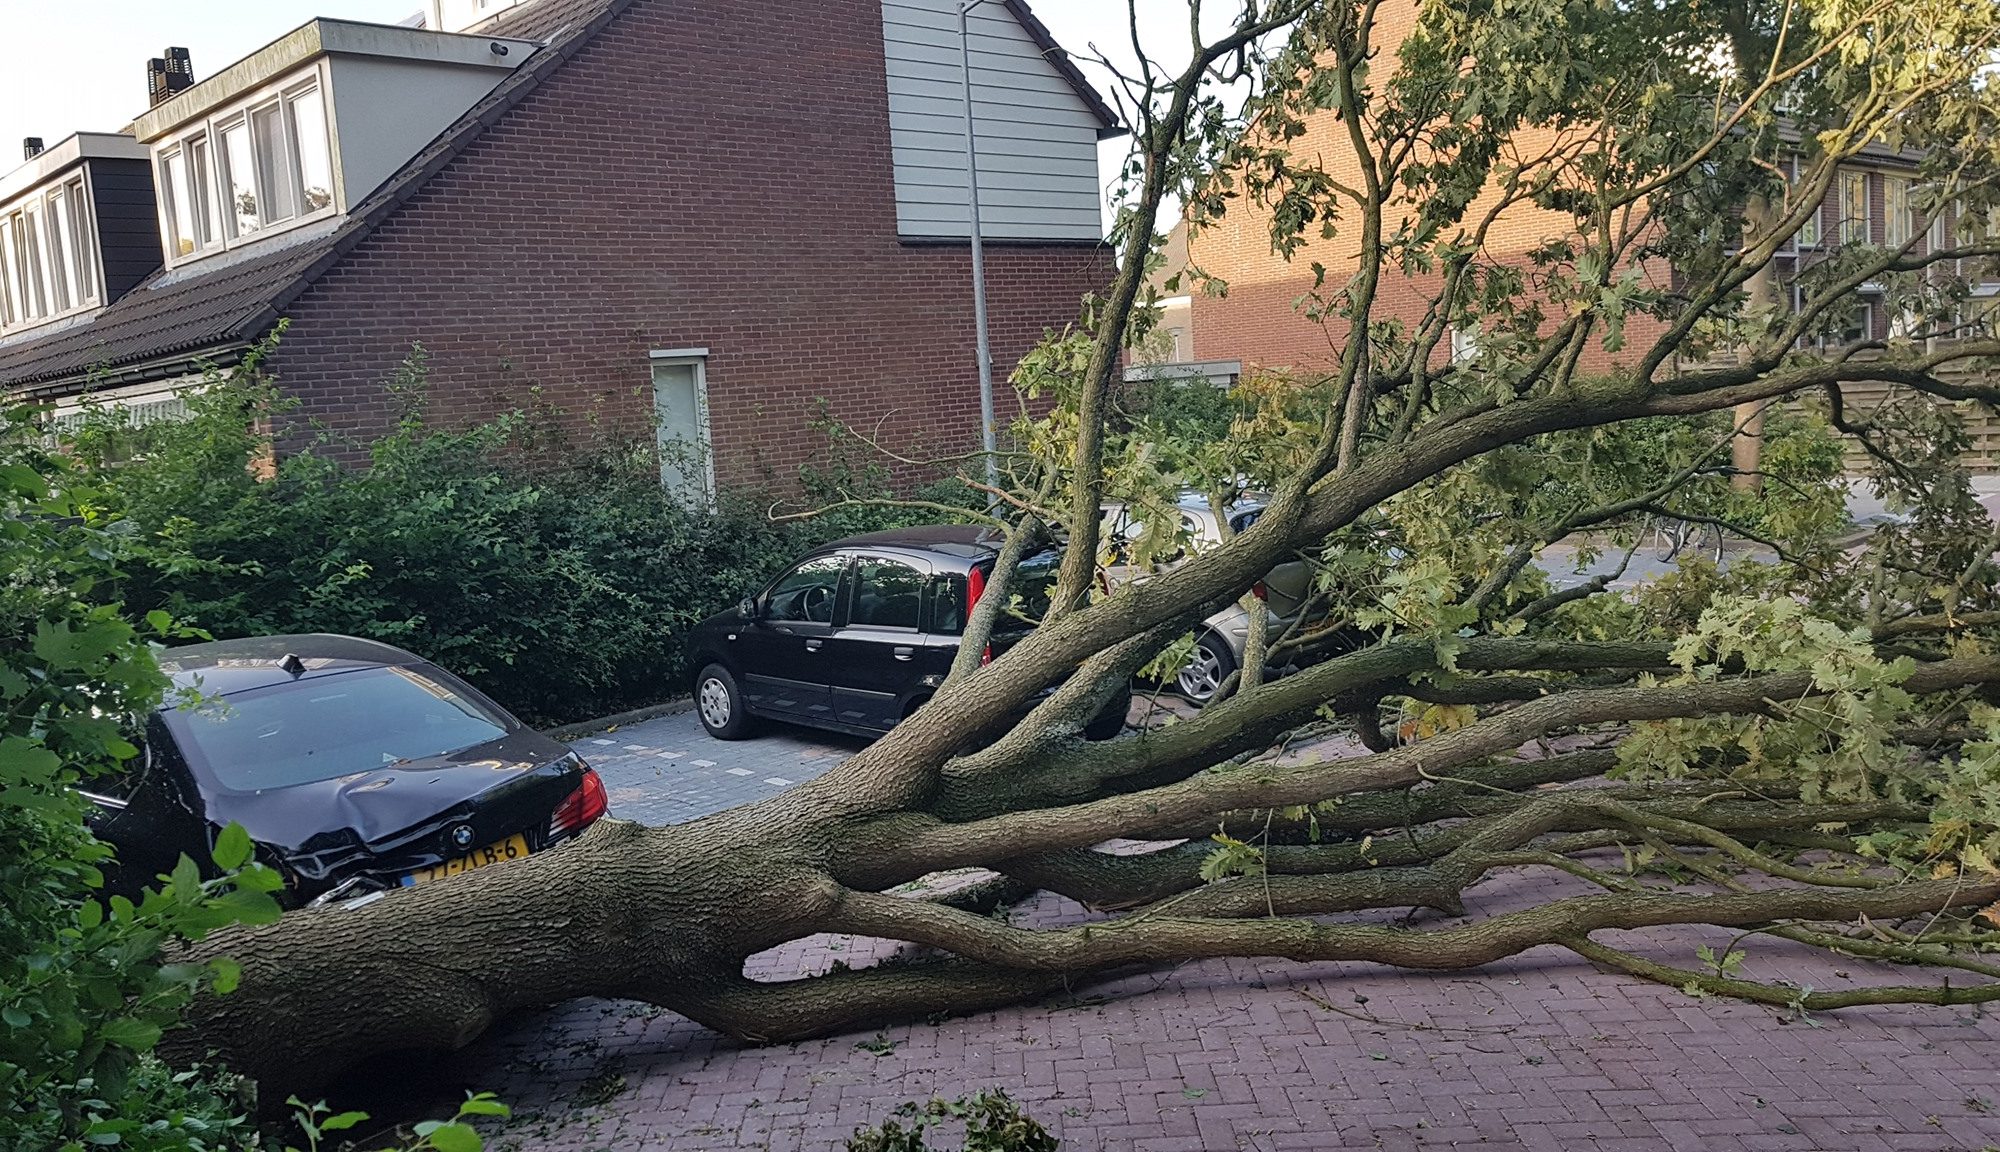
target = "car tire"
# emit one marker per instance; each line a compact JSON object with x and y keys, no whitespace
{"x":1206,"y":669}
{"x":1111,"y":721}
{"x":718,"y":703}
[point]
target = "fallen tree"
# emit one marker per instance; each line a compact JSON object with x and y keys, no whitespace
{"x":1811,"y":740}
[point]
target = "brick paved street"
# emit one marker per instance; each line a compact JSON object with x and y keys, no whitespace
{"x":1538,"y":1053}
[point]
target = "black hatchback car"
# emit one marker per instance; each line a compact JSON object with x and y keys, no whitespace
{"x":858,"y":634}
{"x":354,"y":766}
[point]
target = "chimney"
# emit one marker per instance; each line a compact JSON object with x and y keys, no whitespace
{"x":31,"y":147}
{"x":168,"y":75}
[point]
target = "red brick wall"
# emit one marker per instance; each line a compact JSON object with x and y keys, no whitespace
{"x":705,"y":173}
{"x":1258,"y":321}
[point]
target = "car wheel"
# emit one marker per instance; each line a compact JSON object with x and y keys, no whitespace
{"x":1211,"y":664}
{"x":720,"y":705}
{"x":1111,"y":721}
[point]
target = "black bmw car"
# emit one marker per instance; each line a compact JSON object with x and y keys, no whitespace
{"x":857,"y":635}
{"x":355,"y":767}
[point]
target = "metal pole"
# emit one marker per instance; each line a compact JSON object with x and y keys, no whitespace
{"x":986,"y":438}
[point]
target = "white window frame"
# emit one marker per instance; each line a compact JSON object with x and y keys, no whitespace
{"x":8,"y":315}
{"x":48,"y":271}
{"x":1812,"y":231}
{"x":1850,"y":220}
{"x":222,"y":227}
{"x":698,"y":358}
{"x":1896,"y":220}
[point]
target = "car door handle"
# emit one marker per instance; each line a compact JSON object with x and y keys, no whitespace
{"x":813,"y":645}
{"x":905,"y":652}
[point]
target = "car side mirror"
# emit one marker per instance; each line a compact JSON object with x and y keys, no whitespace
{"x":747,"y":608}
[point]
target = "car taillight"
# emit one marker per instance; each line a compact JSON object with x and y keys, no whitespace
{"x":975,"y":584}
{"x":1259,"y":591}
{"x":580,"y":808}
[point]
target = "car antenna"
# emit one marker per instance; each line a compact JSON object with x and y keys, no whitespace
{"x":292,"y":665}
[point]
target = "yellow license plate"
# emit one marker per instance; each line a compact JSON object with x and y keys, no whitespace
{"x":512,"y":848}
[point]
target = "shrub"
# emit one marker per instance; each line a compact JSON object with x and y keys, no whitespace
{"x":85,"y":992}
{"x":993,"y":1123}
{"x":561,"y":583}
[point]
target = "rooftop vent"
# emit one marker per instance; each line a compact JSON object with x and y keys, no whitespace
{"x":31,"y":147}
{"x":168,"y":75}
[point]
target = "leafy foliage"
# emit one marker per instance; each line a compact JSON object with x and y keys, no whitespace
{"x":993,"y":1123}
{"x":561,"y":583}
{"x":85,"y":992}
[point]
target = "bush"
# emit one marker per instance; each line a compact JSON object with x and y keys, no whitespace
{"x":993,"y":1122}
{"x":85,"y":992}
{"x":561,"y":583}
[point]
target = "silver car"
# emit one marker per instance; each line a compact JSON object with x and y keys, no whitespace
{"x":1219,"y":644}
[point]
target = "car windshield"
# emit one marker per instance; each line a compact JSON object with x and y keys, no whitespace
{"x":330,"y":726}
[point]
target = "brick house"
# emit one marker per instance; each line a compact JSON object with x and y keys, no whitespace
{"x":713,"y":215}
{"x":1259,"y":322}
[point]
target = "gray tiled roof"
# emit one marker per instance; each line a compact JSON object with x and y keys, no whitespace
{"x":226,"y":301}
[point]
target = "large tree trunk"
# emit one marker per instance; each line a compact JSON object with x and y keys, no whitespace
{"x":668,"y":915}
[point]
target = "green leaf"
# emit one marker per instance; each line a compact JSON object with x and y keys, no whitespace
{"x":89,"y":915}
{"x":342,"y":1120}
{"x":455,"y":1138}
{"x":24,"y":761}
{"x":232,"y":848}
{"x":484,"y":1104}
{"x":129,"y":1032}
{"x":227,"y":974}
{"x":15,"y":1017}
{"x":186,"y":878}
{"x":67,"y":648}
{"x":249,"y":907}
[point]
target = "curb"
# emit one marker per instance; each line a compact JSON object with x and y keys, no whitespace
{"x":568,"y":732}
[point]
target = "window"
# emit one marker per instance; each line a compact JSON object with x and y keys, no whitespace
{"x":1896,"y":229}
{"x":315,"y":163}
{"x":60,"y":254}
{"x":186,"y":185}
{"x":9,"y":312}
{"x":180,"y":204}
{"x":275,"y":179}
{"x":33,"y":271}
{"x":48,"y":255}
{"x":1808,"y":235}
{"x":887,"y":594}
{"x":239,"y":178}
{"x":247,"y":172}
{"x":201,"y":189}
{"x":1858,"y":325}
{"x":680,"y":413}
{"x":1854,"y":207}
{"x":805,"y":594}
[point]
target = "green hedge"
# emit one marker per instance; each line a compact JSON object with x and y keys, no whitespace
{"x":560,"y":581}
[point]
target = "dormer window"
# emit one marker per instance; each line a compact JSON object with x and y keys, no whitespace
{"x":248,"y":170}
{"x":48,"y":255}
{"x":186,"y":185}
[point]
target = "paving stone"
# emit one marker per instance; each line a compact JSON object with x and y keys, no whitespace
{"x":1532,"y":1053}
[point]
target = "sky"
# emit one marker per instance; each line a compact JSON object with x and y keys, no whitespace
{"x":80,"y":65}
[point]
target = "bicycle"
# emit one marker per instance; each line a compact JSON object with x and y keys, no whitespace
{"x":1672,"y":535}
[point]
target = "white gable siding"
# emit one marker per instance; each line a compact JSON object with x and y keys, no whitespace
{"x":1037,"y":139}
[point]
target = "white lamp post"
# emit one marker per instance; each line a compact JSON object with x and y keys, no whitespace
{"x":986,"y":438}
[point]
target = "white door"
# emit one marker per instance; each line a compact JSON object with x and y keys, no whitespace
{"x":680,"y":411}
